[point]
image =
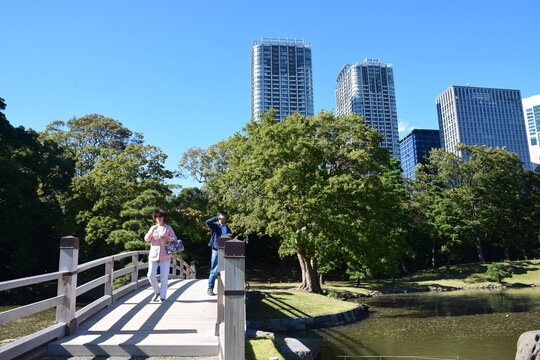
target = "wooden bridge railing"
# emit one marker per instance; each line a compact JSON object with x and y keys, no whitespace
{"x":231,"y":311}
{"x":67,"y":319}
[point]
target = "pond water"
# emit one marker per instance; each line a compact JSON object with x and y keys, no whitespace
{"x":474,"y":325}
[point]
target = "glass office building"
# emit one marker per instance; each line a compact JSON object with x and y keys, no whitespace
{"x":415,"y":147}
{"x":482,"y":116}
{"x":531,"y":111}
{"x":281,"y":77}
{"x":367,"y":88}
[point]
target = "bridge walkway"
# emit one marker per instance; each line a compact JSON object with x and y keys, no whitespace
{"x":182,"y":326}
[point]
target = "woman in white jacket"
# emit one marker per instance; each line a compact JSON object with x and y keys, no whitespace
{"x":159,"y":235}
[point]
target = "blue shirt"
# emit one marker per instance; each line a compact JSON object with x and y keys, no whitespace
{"x":223,"y":229}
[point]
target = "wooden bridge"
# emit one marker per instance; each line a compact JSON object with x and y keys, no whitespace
{"x":125,"y":321}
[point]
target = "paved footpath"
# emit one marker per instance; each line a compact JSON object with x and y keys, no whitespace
{"x":182,"y":326}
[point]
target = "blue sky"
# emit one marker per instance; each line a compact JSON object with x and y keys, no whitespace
{"x":179,"y":71}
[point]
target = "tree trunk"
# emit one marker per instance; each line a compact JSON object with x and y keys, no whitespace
{"x":524,"y":252}
{"x":479,"y":249}
{"x":506,"y":252}
{"x":433,"y":254}
{"x":403,"y":265}
{"x":310,"y":278}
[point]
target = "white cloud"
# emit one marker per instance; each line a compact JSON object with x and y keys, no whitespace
{"x":404,"y":128}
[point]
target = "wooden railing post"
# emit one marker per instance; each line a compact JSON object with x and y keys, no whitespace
{"x":234,"y":293}
{"x":135,"y":272}
{"x":221,"y":251}
{"x":67,"y":285}
{"x":220,"y":287}
{"x":192,"y":266}
{"x":181,"y":269}
{"x":109,"y":271}
{"x":174,"y":266}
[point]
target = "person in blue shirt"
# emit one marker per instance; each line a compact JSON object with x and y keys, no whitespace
{"x":218,"y":227}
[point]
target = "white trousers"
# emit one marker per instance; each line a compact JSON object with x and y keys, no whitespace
{"x":152,"y":277}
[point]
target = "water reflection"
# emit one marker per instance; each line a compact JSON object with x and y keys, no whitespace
{"x":477,"y":325}
{"x":458,"y":303}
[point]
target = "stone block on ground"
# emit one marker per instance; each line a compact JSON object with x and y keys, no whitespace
{"x":528,"y":346}
{"x":294,"y":349}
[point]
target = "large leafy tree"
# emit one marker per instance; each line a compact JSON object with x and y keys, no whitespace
{"x":113,"y":167}
{"x":86,"y":138}
{"x":486,"y":199}
{"x":315,"y":183}
{"x":34,"y":176}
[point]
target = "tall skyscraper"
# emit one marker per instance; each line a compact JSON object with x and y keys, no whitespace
{"x":531,"y":110}
{"x":482,"y":116}
{"x":367,"y":89}
{"x":281,"y":77}
{"x":415,"y":147}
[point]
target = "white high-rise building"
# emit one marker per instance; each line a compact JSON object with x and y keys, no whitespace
{"x":531,"y":111}
{"x":281,"y":77}
{"x":367,"y":89}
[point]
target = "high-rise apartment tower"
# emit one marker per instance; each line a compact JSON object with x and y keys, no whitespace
{"x":281,"y":77}
{"x":482,"y":116}
{"x":531,"y":110}
{"x":367,"y":88}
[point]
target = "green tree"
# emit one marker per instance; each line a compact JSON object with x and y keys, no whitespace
{"x":34,"y":175}
{"x":485,"y":199}
{"x":192,"y":209}
{"x":498,"y":271}
{"x":86,"y":138}
{"x":113,"y":167}
{"x":316,"y":183}
{"x":135,"y":220}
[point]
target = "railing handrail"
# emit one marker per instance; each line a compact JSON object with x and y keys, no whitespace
{"x":30,"y":280}
{"x":187,"y":266}
{"x":36,"y":279}
{"x":65,"y":295}
{"x":97,"y":262}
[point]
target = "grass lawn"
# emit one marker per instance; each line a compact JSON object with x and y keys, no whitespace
{"x":263,"y":348}
{"x":465,"y":275}
{"x":281,"y":301}
{"x":26,"y":325}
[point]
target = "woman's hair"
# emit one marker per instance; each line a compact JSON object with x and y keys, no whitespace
{"x":159,"y":212}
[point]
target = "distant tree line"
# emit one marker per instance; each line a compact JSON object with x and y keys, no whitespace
{"x":319,"y":188}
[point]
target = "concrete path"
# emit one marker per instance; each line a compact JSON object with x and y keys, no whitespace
{"x":183,"y":325}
